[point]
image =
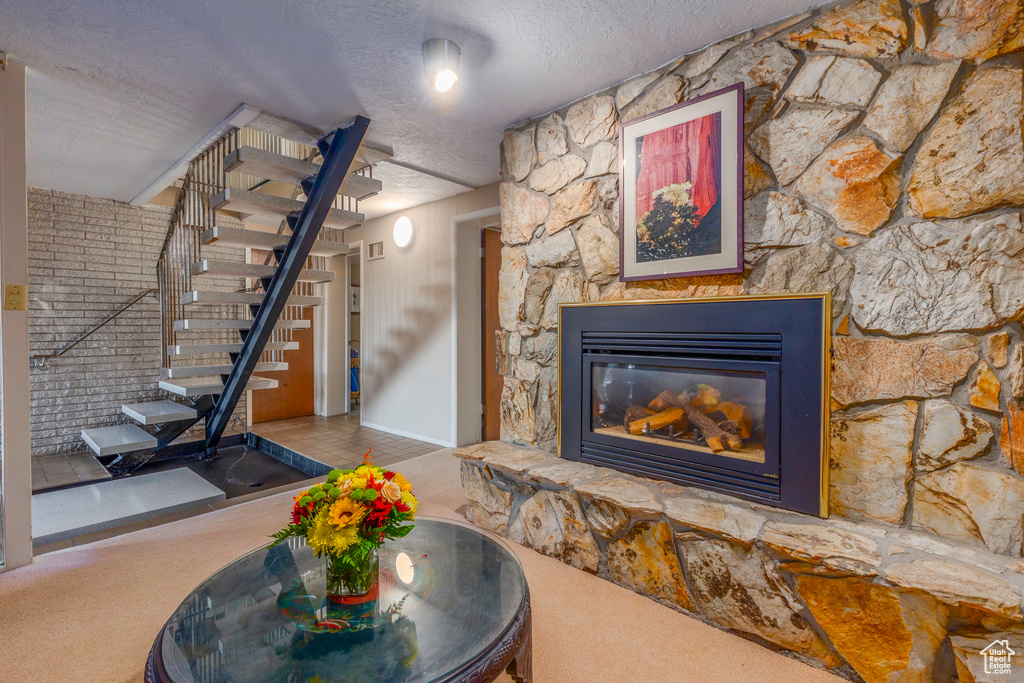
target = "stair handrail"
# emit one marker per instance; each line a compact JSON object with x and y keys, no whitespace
{"x":39,"y":360}
{"x":193,"y":213}
{"x":179,"y":206}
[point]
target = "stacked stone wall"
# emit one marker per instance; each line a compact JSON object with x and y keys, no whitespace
{"x":868,"y":602}
{"x":883,"y":162}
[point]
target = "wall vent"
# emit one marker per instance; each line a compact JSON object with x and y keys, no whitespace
{"x":374,"y":251}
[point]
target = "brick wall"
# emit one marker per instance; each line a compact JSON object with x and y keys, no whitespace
{"x":87,"y":258}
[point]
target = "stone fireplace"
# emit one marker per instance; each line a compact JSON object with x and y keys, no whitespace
{"x":723,"y":394}
{"x":883,"y":153}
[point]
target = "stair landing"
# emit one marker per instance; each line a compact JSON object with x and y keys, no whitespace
{"x":58,"y":515}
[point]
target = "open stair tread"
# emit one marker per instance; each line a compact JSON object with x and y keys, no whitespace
{"x":183,"y":371}
{"x":203,"y":324}
{"x":118,"y":439}
{"x":158,"y":412}
{"x":255,"y":270}
{"x":263,"y":164}
{"x":190,"y":349}
{"x":202,"y":386}
{"x":238,"y":237}
{"x":286,"y":128}
{"x":203,"y":297}
{"x":310,"y":135}
{"x":263,"y":204}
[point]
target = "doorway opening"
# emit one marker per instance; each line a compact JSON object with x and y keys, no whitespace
{"x":490,"y":250}
{"x":476,"y":244}
{"x":355,"y":332}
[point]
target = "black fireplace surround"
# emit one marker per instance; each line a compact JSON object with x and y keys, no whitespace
{"x":726,"y":394}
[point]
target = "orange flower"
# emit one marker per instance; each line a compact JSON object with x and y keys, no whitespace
{"x":391,"y":491}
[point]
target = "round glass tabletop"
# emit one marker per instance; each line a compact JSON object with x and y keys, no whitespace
{"x":448,"y":593}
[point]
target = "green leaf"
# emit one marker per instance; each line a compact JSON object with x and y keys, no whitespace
{"x":287,"y":532}
{"x":402,"y":531}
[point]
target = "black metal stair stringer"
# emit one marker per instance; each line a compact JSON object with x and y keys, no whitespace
{"x":338,"y":159}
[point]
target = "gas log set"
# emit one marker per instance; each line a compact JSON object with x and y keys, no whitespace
{"x":695,"y":418}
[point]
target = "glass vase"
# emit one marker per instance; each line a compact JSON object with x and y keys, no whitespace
{"x":353,"y":580}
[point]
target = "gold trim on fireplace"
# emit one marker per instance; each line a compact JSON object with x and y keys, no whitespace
{"x":826,"y":362}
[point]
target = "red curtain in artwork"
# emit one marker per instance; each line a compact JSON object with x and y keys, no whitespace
{"x":688,"y":152}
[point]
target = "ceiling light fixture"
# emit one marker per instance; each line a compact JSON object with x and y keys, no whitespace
{"x":441,"y":63}
{"x":404,"y":231}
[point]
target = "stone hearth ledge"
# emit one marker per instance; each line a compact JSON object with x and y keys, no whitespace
{"x":859,"y":599}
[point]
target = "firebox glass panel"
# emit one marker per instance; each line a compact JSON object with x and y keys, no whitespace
{"x":694,"y":409}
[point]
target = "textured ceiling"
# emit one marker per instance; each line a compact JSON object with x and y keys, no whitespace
{"x":120,"y":90}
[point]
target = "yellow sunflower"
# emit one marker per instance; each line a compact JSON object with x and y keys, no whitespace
{"x":345,"y":512}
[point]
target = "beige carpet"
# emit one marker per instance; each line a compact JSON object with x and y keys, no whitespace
{"x":91,"y":613}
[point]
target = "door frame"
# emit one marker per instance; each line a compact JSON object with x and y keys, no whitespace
{"x":467,"y":324}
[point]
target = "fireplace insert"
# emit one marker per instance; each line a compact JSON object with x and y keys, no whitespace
{"x":728,"y":394}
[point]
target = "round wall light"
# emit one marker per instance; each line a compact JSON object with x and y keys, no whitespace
{"x":404,"y":231}
{"x":441,"y":63}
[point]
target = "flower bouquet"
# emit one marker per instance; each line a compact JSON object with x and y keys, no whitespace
{"x":346,"y":520}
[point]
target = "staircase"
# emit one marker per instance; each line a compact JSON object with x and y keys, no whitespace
{"x":224,"y":320}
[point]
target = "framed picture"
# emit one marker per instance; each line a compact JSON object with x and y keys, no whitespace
{"x":681,"y":189}
{"x":354,"y":304}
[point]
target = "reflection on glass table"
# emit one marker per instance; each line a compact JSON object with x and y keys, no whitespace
{"x":453,"y":605}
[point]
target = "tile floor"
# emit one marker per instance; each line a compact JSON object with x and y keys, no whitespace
{"x":341,"y":441}
{"x":50,"y":471}
{"x":337,"y":441}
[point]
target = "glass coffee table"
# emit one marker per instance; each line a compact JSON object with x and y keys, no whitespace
{"x":453,"y":606}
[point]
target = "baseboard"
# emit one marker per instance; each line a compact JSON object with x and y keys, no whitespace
{"x":409,"y":435}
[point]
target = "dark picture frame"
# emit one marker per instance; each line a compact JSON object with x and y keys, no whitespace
{"x":681,"y":189}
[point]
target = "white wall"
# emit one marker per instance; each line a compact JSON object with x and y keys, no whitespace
{"x":407,"y":308}
{"x":15,"y":437}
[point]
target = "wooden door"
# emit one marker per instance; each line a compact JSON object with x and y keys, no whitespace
{"x":293,"y":396}
{"x":491,"y":241}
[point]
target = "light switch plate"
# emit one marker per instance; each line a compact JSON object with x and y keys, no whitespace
{"x":15,"y":298}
